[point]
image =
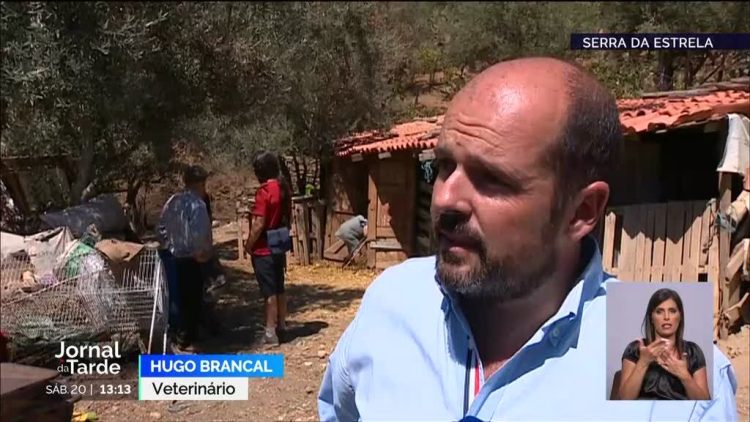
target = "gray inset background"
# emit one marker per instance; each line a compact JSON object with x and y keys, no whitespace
{"x":626,"y":306}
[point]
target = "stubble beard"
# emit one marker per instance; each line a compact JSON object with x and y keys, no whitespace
{"x":502,"y":279}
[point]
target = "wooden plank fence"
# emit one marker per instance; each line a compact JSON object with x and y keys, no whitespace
{"x":307,"y":228}
{"x":666,"y":242}
{"x":426,"y":239}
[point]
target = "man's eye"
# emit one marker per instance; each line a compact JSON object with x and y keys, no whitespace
{"x":490,"y":181}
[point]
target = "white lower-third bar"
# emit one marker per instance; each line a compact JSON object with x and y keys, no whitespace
{"x":231,"y":388}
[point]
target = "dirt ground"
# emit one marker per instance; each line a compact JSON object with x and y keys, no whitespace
{"x":737,"y":349}
{"x":323,"y":300}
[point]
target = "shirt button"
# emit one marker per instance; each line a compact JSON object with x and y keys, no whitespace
{"x":556,"y":332}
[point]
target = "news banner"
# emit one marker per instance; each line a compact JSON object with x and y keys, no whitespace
{"x":96,"y":373}
{"x":660,"y":41}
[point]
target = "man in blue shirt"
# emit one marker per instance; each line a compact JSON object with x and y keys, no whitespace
{"x":186,"y":244}
{"x":507,"y":321}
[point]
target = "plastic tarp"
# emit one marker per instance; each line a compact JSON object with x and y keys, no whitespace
{"x":11,"y":243}
{"x":105,"y":212}
{"x":43,"y":249}
{"x":737,"y":150}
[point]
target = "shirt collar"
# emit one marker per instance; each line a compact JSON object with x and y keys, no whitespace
{"x":587,"y":287}
{"x":588,"y":283}
{"x":191,"y":194}
{"x":268,"y":182}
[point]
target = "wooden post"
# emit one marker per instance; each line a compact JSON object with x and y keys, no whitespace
{"x":608,"y":244}
{"x":298,"y":254}
{"x":306,"y":215}
{"x":725,"y":200}
{"x":311,"y":210}
{"x":320,"y":232}
{"x":410,"y":211}
{"x":713,"y":267}
{"x":303,"y":233}
{"x":243,"y":230}
{"x":372,"y":211}
{"x":240,"y":246}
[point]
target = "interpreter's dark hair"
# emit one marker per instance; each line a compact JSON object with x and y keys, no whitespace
{"x":649,"y":330}
{"x":266,"y":167}
{"x":588,"y":148}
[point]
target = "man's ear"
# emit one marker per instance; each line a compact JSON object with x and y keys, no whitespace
{"x":590,"y":204}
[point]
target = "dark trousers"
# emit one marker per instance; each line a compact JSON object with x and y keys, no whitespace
{"x":211,"y":271}
{"x":174,"y":295}
{"x":190,"y":285}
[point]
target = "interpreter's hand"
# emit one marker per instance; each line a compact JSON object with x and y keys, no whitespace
{"x":651,"y":352}
{"x":675,"y":366}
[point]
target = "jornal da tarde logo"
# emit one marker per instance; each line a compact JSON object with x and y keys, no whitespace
{"x":89,"y":359}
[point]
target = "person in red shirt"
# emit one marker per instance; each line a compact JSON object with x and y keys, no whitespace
{"x":272,"y":210}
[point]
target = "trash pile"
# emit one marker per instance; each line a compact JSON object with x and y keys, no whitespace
{"x":73,"y":286}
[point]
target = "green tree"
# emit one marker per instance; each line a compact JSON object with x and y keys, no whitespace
{"x":682,"y":69}
{"x":86,"y":79}
{"x":330,"y":76}
{"x":112,"y":84}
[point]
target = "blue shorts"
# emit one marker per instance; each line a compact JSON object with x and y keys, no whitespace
{"x":269,"y":272}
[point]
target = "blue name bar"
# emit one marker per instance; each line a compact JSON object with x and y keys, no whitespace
{"x":725,"y":41}
{"x":245,"y":366}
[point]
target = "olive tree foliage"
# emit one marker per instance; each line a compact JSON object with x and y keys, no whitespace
{"x":674,"y":69}
{"x":462,"y":38}
{"x":330,"y":64}
{"x":114,"y":85}
{"x":102,"y":82}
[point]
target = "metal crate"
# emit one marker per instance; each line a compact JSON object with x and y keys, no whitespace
{"x":76,"y":297}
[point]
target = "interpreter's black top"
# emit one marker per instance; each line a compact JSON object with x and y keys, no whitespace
{"x":658,"y":383}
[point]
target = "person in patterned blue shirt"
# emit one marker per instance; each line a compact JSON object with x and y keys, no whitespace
{"x":187,"y":244}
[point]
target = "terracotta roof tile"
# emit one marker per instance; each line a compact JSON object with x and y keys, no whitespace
{"x":404,"y":136}
{"x":637,"y":115}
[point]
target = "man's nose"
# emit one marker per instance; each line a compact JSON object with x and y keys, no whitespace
{"x":452,"y":194}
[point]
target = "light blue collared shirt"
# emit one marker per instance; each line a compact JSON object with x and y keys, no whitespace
{"x":404,"y":357}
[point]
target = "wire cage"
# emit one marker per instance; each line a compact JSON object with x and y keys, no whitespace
{"x":80,"y":296}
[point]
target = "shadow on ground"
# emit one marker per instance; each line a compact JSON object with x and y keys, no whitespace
{"x":239,"y":311}
{"x":227,"y":250}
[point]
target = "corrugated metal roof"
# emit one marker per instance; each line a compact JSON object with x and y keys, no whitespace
{"x":638,"y":115}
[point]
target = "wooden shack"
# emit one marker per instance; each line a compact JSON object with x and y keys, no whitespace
{"x":376,"y":175}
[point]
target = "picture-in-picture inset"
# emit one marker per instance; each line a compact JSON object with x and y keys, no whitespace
{"x":659,"y":341}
